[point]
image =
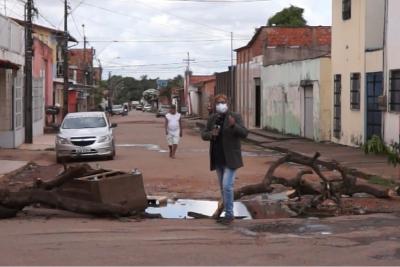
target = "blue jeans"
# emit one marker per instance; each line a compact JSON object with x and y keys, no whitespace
{"x":226,"y":178}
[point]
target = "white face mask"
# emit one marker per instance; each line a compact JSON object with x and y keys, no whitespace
{"x":222,"y":107}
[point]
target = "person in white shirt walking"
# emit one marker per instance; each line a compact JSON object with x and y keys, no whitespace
{"x":173,"y":130}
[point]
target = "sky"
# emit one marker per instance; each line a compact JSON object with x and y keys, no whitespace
{"x":153,"y":37}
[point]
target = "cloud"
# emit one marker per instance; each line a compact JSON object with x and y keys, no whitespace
{"x":151,"y":26}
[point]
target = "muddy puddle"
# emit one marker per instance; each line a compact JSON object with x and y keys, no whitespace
{"x":266,"y":206}
{"x":150,"y":147}
{"x":179,"y":209}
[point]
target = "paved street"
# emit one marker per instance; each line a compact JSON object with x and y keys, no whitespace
{"x":62,"y":239}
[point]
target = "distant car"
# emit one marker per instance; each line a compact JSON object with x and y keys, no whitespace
{"x":139,"y":107}
{"x":85,"y":134}
{"x":147,"y":108}
{"x":135,"y":103}
{"x":163,"y":110}
{"x":117,"y":109}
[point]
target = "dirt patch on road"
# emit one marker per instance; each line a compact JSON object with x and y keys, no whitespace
{"x":28,"y":174}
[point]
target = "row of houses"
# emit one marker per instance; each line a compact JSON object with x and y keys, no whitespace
{"x":337,"y":83}
{"x":47,"y":75}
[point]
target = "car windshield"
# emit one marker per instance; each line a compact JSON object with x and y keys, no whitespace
{"x":117,"y":106}
{"x":84,"y":122}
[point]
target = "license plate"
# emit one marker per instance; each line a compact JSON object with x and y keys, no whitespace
{"x":81,"y":150}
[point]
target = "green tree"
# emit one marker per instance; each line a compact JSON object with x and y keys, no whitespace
{"x":291,"y":17}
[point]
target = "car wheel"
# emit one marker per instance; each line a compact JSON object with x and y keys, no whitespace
{"x":112,"y":156}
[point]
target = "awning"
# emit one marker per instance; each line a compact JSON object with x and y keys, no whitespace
{"x":5,"y":64}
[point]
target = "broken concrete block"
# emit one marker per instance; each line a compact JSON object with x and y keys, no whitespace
{"x":112,"y":187}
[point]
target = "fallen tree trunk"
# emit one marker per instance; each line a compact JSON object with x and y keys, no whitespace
{"x":325,"y":189}
{"x":47,"y":193}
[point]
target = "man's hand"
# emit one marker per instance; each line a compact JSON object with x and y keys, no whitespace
{"x":231,"y":121}
{"x":215,"y":132}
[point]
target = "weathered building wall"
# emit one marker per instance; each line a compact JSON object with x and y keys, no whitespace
{"x":325,"y":92}
{"x":11,"y":83}
{"x":284,"y":97}
{"x":224,"y":86}
{"x":42,"y":67}
{"x":348,"y":56}
{"x":207,"y":95}
{"x":356,"y":48}
{"x":273,"y":45}
{"x":246,"y":73}
{"x":392,"y":119}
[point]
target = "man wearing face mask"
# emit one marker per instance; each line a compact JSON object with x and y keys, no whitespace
{"x":224,"y":130}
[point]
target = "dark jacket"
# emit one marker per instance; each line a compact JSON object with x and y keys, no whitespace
{"x":231,"y":139}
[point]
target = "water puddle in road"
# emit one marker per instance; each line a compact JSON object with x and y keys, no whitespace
{"x":179,"y":209}
{"x":150,"y":147}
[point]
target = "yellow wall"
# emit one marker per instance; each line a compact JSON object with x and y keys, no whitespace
{"x":374,"y":61}
{"x":348,"y":56}
{"x":326,"y":94}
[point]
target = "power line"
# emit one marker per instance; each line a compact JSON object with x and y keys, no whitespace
{"x":151,"y":7}
{"x":183,"y":18}
{"x":76,"y":26}
{"x":166,"y":64}
{"x":162,"y":41}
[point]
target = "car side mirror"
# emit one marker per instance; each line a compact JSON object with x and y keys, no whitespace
{"x":113,"y":125}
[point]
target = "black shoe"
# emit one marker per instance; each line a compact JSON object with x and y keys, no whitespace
{"x":225,"y":221}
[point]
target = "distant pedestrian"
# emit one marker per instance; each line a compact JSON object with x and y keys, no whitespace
{"x":173,"y":130}
{"x":225,"y":130}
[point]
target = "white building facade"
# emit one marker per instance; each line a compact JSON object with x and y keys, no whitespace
{"x":12,"y":58}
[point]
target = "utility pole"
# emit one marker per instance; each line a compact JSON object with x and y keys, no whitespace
{"x":84,"y":57}
{"x":110,"y":91}
{"x":28,"y":73}
{"x":65,"y":58}
{"x":232,"y":89}
{"x":187,"y":101}
{"x":5,"y":8}
{"x":188,"y":60}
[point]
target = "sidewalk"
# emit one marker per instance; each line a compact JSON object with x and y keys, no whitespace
{"x":40,"y":143}
{"x":352,"y":158}
{"x":43,"y":142}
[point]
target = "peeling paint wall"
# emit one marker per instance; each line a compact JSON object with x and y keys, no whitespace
{"x":246,"y":73}
{"x":284,"y":97}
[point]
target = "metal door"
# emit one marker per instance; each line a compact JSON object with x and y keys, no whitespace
{"x":308,"y":112}
{"x":374,"y":114}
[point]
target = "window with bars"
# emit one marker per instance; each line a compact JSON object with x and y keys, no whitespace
{"x":346,"y":9}
{"x":394,"y":91}
{"x":337,"y":106}
{"x":355,"y":91}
